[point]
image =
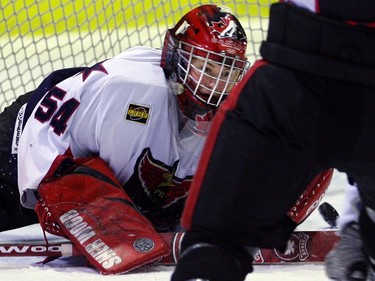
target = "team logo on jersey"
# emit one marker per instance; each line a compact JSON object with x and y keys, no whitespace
{"x":138,"y":113}
{"x":159,"y":181}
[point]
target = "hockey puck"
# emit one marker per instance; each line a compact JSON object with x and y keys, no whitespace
{"x":329,"y":214}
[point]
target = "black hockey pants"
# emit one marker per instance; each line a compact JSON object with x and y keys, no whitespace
{"x":12,"y":214}
{"x":287,"y":121}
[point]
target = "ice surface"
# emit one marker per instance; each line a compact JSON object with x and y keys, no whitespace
{"x":76,"y":269}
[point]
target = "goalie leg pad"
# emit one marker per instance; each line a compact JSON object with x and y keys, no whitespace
{"x":95,"y":213}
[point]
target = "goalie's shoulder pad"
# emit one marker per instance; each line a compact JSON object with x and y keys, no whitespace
{"x":94,"y":212}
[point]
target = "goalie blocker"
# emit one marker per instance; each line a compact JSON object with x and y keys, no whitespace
{"x":82,"y":200}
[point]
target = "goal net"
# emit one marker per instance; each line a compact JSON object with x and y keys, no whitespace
{"x":38,"y":37}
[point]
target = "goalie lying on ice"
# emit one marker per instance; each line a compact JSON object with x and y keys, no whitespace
{"x":145,"y":113}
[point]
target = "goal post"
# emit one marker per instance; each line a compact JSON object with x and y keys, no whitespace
{"x":38,"y":37}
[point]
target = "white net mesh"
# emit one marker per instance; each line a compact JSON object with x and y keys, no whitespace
{"x":37,"y":37}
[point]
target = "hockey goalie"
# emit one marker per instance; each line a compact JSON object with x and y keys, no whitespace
{"x":107,"y":153}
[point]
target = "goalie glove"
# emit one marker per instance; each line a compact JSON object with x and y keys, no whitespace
{"x":87,"y":205}
{"x":311,"y":197}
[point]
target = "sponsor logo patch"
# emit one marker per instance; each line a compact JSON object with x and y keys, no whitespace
{"x":138,"y":113}
{"x":18,"y":129}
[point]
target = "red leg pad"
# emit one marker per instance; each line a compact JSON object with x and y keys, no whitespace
{"x":95,"y":213}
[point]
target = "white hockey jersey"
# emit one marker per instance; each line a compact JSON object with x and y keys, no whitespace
{"x":123,"y":111}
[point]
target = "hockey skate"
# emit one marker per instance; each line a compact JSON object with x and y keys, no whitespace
{"x":347,"y":262}
{"x":209,"y":262}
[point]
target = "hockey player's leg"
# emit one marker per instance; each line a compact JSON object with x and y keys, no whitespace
{"x":238,"y":203}
{"x":347,"y":261}
{"x":367,"y":231}
{"x":212,"y":261}
{"x":352,"y":259}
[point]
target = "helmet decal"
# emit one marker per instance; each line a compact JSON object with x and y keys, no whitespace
{"x":226,"y":27}
{"x":182,"y":29}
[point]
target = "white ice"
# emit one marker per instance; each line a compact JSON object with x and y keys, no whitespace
{"x":75,"y":269}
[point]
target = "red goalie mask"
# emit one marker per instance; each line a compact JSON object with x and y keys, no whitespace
{"x":203,"y":57}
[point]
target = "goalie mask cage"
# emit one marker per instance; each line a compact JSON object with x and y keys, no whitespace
{"x":38,"y":37}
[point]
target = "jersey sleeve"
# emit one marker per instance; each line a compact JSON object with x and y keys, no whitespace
{"x":45,"y":136}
